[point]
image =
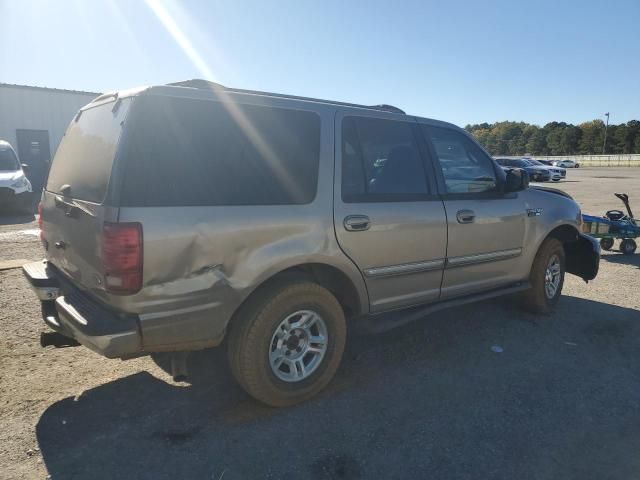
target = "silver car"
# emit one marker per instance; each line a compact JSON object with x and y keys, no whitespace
{"x":557,"y":173}
{"x":175,"y":217}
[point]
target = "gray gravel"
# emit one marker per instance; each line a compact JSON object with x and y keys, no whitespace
{"x":559,"y":398}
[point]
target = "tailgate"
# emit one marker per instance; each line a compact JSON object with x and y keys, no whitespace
{"x":73,"y":203}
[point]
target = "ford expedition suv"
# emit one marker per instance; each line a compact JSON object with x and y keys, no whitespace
{"x":190,"y":215}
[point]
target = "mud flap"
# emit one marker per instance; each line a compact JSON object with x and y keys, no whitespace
{"x":583,"y":257}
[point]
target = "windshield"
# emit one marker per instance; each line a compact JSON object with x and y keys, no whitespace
{"x":535,"y":162}
{"x":8,"y":160}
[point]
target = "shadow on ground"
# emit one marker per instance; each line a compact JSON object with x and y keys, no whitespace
{"x":623,"y":259}
{"x":428,"y":400}
{"x":15,"y":219}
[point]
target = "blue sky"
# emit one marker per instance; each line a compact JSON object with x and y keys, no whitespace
{"x":460,"y":61}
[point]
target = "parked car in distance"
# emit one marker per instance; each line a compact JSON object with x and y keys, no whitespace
{"x":273,"y":221}
{"x":565,"y":163}
{"x":536,"y":173}
{"x":15,"y":188}
{"x":557,"y":173}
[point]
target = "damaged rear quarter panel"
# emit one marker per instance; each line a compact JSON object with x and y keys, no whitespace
{"x":200,"y":263}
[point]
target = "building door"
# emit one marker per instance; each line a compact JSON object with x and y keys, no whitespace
{"x":33,"y":150}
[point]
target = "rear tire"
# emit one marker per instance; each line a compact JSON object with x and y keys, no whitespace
{"x":275,"y":348}
{"x":546,"y":277}
{"x":606,"y":243}
{"x":628,"y":246}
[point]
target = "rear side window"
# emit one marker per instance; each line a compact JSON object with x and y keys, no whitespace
{"x":380,"y":161}
{"x":465,"y":167}
{"x":182,"y":152}
{"x":85,"y":155}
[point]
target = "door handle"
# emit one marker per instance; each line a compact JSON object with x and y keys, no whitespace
{"x":357,"y":223}
{"x":466,"y":216}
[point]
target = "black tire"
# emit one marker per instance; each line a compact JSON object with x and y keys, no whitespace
{"x":577,"y":165}
{"x":628,"y":246}
{"x":537,"y":298}
{"x":251,"y":335}
{"x":606,"y":243}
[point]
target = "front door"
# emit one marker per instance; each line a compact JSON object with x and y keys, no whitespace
{"x":33,"y":150}
{"x":486,"y":227}
{"x":388,"y":218}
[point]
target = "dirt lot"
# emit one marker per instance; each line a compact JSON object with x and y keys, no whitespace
{"x":435,"y":399}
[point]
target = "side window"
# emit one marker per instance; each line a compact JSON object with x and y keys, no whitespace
{"x":465,"y":167}
{"x":380,"y":161}
{"x":182,"y":152}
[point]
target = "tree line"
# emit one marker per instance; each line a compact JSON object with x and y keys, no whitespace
{"x":557,"y":138}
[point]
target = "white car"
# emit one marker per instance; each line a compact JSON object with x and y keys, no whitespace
{"x":15,"y":187}
{"x":565,"y":163}
{"x":557,"y":172}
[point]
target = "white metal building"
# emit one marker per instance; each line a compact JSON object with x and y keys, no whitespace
{"x":34,"y":119}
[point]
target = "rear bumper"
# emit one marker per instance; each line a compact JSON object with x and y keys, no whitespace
{"x":71,"y":312}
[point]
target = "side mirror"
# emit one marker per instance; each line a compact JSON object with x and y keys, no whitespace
{"x":25,"y":166}
{"x":517,"y":179}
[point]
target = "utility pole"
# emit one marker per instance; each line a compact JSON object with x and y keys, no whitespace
{"x":606,"y":127}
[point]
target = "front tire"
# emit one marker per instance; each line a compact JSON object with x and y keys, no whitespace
{"x":546,"y":277}
{"x":287,"y":342}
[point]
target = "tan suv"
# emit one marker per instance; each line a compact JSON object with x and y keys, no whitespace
{"x":178,"y":216}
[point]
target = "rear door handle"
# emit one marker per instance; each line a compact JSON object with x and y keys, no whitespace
{"x":357,"y":223}
{"x":466,"y":216}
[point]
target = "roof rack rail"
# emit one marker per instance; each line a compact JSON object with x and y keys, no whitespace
{"x":208,"y":85}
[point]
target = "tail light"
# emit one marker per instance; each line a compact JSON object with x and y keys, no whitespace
{"x":40,"y":224}
{"x":122,"y":257}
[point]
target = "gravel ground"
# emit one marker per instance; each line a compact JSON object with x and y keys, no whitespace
{"x":560,"y":398}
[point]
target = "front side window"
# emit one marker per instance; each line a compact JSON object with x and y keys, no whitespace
{"x":380,"y":161}
{"x":465,"y":167}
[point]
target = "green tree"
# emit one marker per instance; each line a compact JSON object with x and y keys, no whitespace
{"x":592,"y":137}
{"x":556,"y":138}
{"x":537,"y":144}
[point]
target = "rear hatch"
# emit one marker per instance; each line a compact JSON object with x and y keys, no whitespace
{"x":74,"y":202}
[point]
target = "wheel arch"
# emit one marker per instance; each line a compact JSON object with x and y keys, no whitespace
{"x":339,"y":283}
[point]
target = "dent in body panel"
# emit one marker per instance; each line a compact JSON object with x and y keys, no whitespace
{"x":198,"y":274}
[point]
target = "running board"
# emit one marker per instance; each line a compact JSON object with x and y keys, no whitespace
{"x":381,"y":322}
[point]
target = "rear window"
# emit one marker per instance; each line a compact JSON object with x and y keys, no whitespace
{"x":182,"y":152}
{"x":8,"y":160}
{"x":85,"y":155}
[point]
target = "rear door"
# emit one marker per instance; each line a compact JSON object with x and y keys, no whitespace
{"x":73,"y":202}
{"x":388,"y":219}
{"x":486,"y":227}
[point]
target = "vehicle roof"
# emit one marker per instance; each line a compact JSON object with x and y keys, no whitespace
{"x":205,"y":90}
